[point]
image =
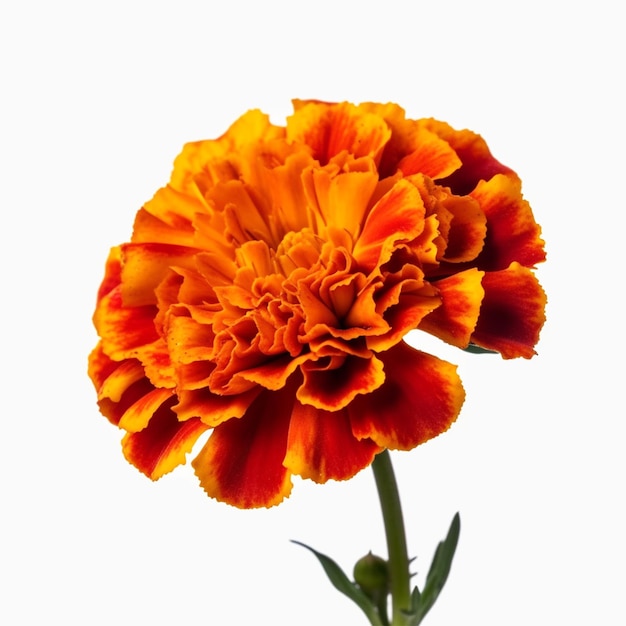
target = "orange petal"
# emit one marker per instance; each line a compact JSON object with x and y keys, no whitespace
{"x":155,"y":359}
{"x":123,"y":329}
{"x":163,"y":444}
{"x":138,"y":415}
{"x":333,"y":389}
{"x":211,"y":408}
{"x":339,"y":200}
{"x":130,"y":333}
{"x":202,"y":164}
{"x":242,"y":462}
{"x":403,"y":302}
{"x":398,"y":216}
{"x":145,"y":265}
{"x":461,"y":296}
{"x":175,"y":209}
{"x":119,"y":385}
{"x":187,"y":340}
{"x":112,"y":378}
{"x":330,"y":128}
{"x":112,"y":273}
{"x":420,"y":399}
{"x":478,"y":163}
{"x":512,"y":312}
{"x":151,"y":229}
{"x":321,"y":445}
{"x":512,"y":233}
{"x":245,"y":220}
{"x":274,"y":372}
{"x":403,"y":139}
{"x":468,"y":229}
{"x":433,"y":156}
{"x":285,"y":187}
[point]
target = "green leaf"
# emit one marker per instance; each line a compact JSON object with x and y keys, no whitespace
{"x":412,"y":614}
{"x":437,"y":574}
{"x":342,"y":583}
{"x":474,"y":349}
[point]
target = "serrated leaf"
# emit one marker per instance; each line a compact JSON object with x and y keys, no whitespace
{"x":437,"y":574}
{"x":343,"y":584}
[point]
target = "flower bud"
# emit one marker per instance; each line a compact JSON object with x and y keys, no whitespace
{"x":372,"y":575}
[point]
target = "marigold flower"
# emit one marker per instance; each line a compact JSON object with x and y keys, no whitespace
{"x":267,"y":288}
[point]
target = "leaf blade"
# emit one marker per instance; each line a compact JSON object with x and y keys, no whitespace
{"x":342,"y":583}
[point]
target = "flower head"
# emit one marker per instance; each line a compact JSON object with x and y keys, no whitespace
{"x":267,"y":288}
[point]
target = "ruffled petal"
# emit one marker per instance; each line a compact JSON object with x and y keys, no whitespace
{"x":432,"y":157}
{"x":138,"y":415}
{"x":163,"y":444}
{"x":420,"y":399}
{"x":328,"y":129}
{"x":478,"y":162}
{"x":245,"y":218}
{"x":397,"y":217}
{"x":403,"y":303}
{"x":145,"y":265}
{"x":512,"y":312}
{"x":461,"y":296}
{"x":339,"y":201}
{"x":468,"y":229}
{"x":242,"y":462}
{"x":211,"y":408}
{"x":202,"y":164}
{"x":168,"y":218}
{"x":123,"y":329}
{"x":118,"y":385}
{"x":321,"y":445}
{"x":112,"y":273}
{"x":512,"y":233}
{"x":331,"y":387}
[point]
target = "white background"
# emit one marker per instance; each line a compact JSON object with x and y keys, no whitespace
{"x":97,"y":100}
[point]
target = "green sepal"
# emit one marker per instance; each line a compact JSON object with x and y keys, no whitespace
{"x":422,"y":602}
{"x":474,"y":349}
{"x":343,"y":584}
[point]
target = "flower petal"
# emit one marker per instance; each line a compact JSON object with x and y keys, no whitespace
{"x":138,"y":415}
{"x":461,"y":296}
{"x":112,"y":273}
{"x":478,"y":163}
{"x":202,"y":164}
{"x":321,"y":445}
{"x":163,"y":444}
{"x":403,"y":303}
{"x":512,"y":233}
{"x":332,"y":388}
{"x":432,"y":157}
{"x":339,"y":200}
{"x":420,"y":399}
{"x":175,"y":210}
{"x":397,"y":217}
{"x":145,"y":265}
{"x":331,"y":128}
{"x":118,"y":385}
{"x":242,"y":462}
{"x":211,"y":408}
{"x":123,"y":330}
{"x":512,"y":312}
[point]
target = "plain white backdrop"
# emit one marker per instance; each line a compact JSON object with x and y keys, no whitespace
{"x":98,"y":99}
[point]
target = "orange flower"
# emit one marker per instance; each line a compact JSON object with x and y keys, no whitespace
{"x":266,"y":291}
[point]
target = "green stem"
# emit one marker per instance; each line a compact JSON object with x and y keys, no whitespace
{"x":396,"y":538}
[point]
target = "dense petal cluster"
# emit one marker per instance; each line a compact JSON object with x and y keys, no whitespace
{"x":267,"y":288}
